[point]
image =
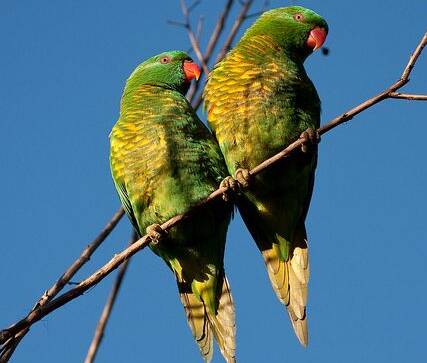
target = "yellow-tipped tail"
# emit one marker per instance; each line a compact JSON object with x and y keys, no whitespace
{"x":205,"y":325}
{"x":199,"y":323}
{"x":289,"y":280}
{"x":224,"y":324}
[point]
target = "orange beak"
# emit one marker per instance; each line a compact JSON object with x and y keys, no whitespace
{"x":191,"y":70}
{"x":316,"y":38}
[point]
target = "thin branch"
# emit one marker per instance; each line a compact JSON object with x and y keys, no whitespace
{"x":9,"y":347}
{"x":199,"y":28}
{"x":213,"y":40}
{"x":106,"y":312}
{"x":84,"y":257}
{"x":193,"y":90}
{"x":246,"y":5}
{"x":192,"y":36}
{"x":404,"y":79}
{"x":408,"y":96}
{"x":196,"y":47}
{"x":194,"y":5}
{"x":195,"y":40}
{"x":219,"y":27}
{"x":198,"y":101}
{"x":254,"y":15}
{"x":177,"y":23}
{"x":234,"y":29}
{"x":414,"y":57}
{"x":118,"y":259}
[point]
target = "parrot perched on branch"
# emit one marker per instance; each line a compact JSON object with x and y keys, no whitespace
{"x":163,"y":161}
{"x":258,"y":100}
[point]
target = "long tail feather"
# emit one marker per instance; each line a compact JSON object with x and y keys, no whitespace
{"x":198,"y":321}
{"x":224,"y":324}
{"x":205,"y":325}
{"x":289,"y":280}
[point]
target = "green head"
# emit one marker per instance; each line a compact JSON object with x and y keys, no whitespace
{"x":297,"y":30}
{"x":172,"y":70}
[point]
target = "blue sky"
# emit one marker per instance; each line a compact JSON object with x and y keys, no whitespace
{"x":63,"y":67}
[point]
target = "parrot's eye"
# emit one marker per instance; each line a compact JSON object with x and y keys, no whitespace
{"x":299,"y":17}
{"x":165,"y":60}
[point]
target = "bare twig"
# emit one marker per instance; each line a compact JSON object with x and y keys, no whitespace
{"x":193,"y":90}
{"x":407,"y":96}
{"x":84,"y":257}
{"x":9,"y":347}
{"x":196,"y":47}
{"x":246,"y":5}
{"x":258,"y":13}
{"x":193,"y":5}
{"x":118,"y":259}
{"x":253,"y":15}
{"x":414,"y":57}
{"x":106,"y":312}
{"x":213,"y":40}
{"x":404,"y":79}
{"x":177,"y":23}
{"x":199,"y":28}
{"x":234,"y":29}
{"x":192,"y":36}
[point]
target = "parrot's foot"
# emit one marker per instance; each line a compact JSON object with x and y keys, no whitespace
{"x":243,"y":177}
{"x":155,"y":232}
{"x":310,"y":138}
{"x":232,"y":185}
{"x":235,"y":185}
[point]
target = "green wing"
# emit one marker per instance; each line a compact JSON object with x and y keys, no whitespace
{"x":124,"y":199}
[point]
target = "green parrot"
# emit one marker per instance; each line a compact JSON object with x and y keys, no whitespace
{"x":258,"y":100}
{"x":163,"y":161}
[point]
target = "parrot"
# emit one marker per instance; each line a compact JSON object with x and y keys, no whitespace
{"x":258,"y":100}
{"x":164,"y":161}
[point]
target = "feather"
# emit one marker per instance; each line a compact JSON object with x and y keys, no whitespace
{"x":224,"y":325}
{"x":197,"y":319}
{"x":289,"y":281}
{"x":204,"y":324}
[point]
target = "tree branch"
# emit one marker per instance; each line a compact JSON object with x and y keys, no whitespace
{"x":246,"y":5}
{"x":9,"y":346}
{"x":258,"y":13}
{"x":192,"y":36}
{"x":387,"y":93}
{"x":199,"y":28}
{"x":106,"y":312}
{"x":407,"y":96}
{"x":234,"y":29}
{"x":213,"y":40}
{"x":413,"y":58}
{"x":83,"y":286}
